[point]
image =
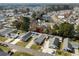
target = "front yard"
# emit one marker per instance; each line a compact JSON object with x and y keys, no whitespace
{"x":36,"y":47}
{"x":2,"y":39}
{"x":5,"y":49}
{"x":62,"y":53}
{"x":21,"y":43}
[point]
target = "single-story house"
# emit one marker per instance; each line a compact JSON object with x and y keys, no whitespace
{"x":6,"y":31}
{"x":40,"y":39}
{"x":54,"y":42}
{"x":67,"y":46}
{"x":26,"y":36}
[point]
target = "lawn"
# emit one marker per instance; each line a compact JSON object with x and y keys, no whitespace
{"x":62,"y":53}
{"x":21,"y":54}
{"x":35,"y":47}
{"x":5,"y":49}
{"x":3,"y":39}
{"x":21,"y":43}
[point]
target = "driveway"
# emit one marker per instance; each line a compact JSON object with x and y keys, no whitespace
{"x":15,"y":41}
{"x":46,"y":48}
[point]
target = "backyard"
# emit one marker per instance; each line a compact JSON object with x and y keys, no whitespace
{"x":36,"y":47}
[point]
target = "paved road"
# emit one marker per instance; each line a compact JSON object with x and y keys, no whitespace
{"x":27,"y":50}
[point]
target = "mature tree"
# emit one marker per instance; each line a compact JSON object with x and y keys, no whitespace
{"x":34,"y":15}
{"x":66,"y":29}
{"x":22,"y":24}
{"x":77,"y":28}
{"x":25,"y":24}
{"x":17,"y":24}
{"x":15,"y":11}
{"x":55,"y":29}
{"x":27,"y":10}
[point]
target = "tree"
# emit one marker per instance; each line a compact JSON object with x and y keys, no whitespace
{"x":17,"y":24}
{"x":34,"y":15}
{"x":25,"y":24}
{"x":27,"y":10}
{"x":66,"y":29}
{"x":15,"y":11}
{"x":55,"y":29}
{"x":22,"y":24}
{"x":77,"y":28}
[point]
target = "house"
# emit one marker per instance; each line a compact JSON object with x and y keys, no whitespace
{"x":54,"y":42}
{"x":46,"y":17}
{"x":13,"y":35}
{"x":67,"y":46}
{"x":26,"y":36}
{"x":6,"y":31}
{"x":40,"y":39}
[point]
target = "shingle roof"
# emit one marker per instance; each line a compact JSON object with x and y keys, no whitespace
{"x":54,"y":42}
{"x":66,"y":44}
{"x":40,"y":39}
{"x":5,"y":31}
{"x":26,"y":36}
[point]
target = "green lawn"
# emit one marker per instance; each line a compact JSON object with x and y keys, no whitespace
{"x":21,"y":54}
{"x":21,"y":43}
{"x":3,"y":39}
{"x":62,"y":53}
{"x":35,"y":47}
{"x":5,"y":49}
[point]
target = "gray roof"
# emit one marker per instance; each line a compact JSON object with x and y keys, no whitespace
{"x":26,"y":36}
{"x":67,"y":45}
{"x":75,"y":44}
{"x":40,"y":39}
{"x":54,"y":42}
{"x":5,"y":31}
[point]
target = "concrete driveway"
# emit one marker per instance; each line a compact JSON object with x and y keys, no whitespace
{"x":46,"y":48}
{"x":15,"y":41}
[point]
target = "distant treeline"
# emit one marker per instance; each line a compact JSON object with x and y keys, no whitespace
{"x":59,"y":7}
